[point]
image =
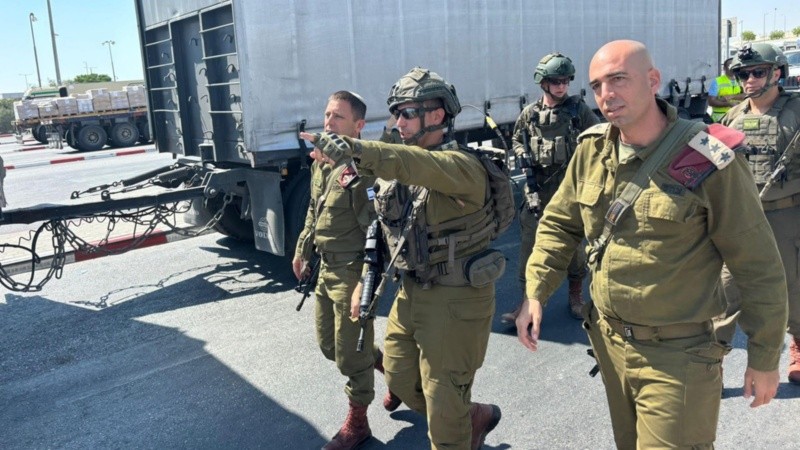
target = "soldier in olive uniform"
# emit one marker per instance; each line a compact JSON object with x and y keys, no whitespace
{"x":545,"y":136}
{"x":336,"y":223}
{"x":429,"y":190}
{"x":662,"y":201}
{"x":770,"y":118}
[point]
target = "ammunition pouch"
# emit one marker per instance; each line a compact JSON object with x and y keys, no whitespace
{"x":484,"y":268}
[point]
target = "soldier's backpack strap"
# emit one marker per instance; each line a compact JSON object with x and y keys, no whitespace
{"x":676,"y":139}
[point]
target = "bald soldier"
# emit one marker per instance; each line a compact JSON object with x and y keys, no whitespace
{"x":679,"y":203}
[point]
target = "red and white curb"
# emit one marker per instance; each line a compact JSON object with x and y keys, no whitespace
{"x":157,"y":238}
{"x":88,"y":157}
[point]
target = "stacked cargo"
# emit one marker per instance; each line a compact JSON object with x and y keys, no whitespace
{"x":136,"y":96}
{"x":84,"y":102}
{"x":48,"y":109}
{"x":25,"y":109}
{"x":67,"y":106}
{"x":119,"y":100}
{"x":101,"y":101}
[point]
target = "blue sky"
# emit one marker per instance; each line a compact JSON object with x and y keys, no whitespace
{"x":81,"y":26}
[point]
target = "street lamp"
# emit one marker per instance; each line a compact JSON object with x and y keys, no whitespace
{"x":765,"y":25}
{"x":110,"y":43}
{"x":53,"y":38}
{"x":32,"y":19}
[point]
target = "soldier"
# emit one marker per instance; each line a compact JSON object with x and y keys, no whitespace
{"x":771,"y":120}
{"x":724,"y":92}
{"x":546,"y":135}
{"x":428,"y":189}
{"x":663,"y":204}
{"x":336,"y":223}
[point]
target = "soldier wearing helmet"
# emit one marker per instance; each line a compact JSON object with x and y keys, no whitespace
{"x":432,"y":198}
{"x":545,"y":136}
{"x":770,"y":117}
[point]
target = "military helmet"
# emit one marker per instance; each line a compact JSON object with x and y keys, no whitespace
{"x":554,"y":65}
{"x":421,"y":84}
{"x":758,"y":54}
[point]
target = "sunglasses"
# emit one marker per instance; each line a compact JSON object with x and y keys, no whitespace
{"x":743,"y":75}
{"x":410,"y":113}
{"x":558,"y":81}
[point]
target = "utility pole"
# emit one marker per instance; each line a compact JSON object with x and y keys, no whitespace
{"x":53,"y":37}
{"x":32,"y":19}
{"x":26,"y":80}
{"x":110,"y":43}
{"x":88,"y":68}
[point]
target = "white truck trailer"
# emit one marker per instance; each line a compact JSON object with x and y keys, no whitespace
{"x":231,"y":82}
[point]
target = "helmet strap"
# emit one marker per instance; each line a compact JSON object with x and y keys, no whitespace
{"x":767,"y":85}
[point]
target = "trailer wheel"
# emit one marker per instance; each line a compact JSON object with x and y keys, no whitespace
{"x":231,"y":223}
{"x":92,"y":137}
{"x":124,"y":134}
{"x":40,"y":133}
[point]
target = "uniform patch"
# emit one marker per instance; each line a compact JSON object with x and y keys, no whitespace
{"x":750,"y":124}
{"x":713,"y":149}
{"x":673,"y":189}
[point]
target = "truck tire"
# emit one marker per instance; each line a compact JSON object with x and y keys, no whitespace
{"x":231,"y":223}
{"x":40,"y":133}
{"x":92,"y":137}
{"x":144,"y":133}
{"x":124,"y":134}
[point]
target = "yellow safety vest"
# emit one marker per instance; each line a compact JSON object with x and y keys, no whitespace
{"x":726,"y":88}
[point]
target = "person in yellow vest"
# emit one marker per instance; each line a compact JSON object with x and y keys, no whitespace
{"x":724,"y":92}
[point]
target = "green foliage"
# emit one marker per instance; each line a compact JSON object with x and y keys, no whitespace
{"x":6,"y":115}
{"x":777,"y":34}
{"x":796,"y":31}
{"x":748,"y":36}
{"x":92,"y":78}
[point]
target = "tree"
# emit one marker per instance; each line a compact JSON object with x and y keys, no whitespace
{"x":6,"y":115}
{"x":777,"y":34}
{"x":748,"y":36}
{"x":796,"y":31}
{"x":92,"y":78}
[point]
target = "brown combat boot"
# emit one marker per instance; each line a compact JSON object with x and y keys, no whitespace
{"x":484,"y":419}
{"x":354,"y":432}
{"x":794,"y":360}
{"x":576,"y":298}
{"x":390,"y":401}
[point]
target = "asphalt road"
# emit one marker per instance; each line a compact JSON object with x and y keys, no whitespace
{"x":196,"y":344}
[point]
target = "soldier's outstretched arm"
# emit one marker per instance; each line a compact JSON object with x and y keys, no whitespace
{"x":761,"y":385}
{"x":528,"y":323}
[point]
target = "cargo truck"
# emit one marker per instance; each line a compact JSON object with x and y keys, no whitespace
{"x":230,"y":83}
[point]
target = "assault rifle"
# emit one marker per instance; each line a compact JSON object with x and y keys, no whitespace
{"x":308,"y":281}
{"x":530,"y":168}
{"x":372,"y":285}
{"x":780,"y":167}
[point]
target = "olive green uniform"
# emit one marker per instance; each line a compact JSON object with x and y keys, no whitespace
{"x":558,"y":141}
{"x":339,"y":236}
{"x":436,"y":336}
{"x":661,"y":269}
{"x":769,"y":135}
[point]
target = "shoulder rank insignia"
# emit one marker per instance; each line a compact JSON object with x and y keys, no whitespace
{"x":706,"y":152}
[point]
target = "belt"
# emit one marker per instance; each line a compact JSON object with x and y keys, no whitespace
{"x":337,"y":257}
{"x":781,"y":203}
{"x":666,"y":332}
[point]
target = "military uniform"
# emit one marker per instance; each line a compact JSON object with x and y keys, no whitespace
{"x":551,"y":137}
{"x":768,"y":135}
{"x":339,"y":236}
{"x":439,"y":325}
{"x":650,"y":328}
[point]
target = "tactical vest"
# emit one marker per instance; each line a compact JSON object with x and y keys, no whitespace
{"x":553,"y":138}
{"x":766,"y":136}
{"x":448,"y":252}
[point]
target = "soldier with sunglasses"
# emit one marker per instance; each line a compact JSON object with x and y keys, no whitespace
{"x":433,"y":200}
{"x":546,"y":135}
{"x":770,"y":117}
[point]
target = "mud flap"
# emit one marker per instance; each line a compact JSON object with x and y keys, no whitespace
{"x":266,"y":210}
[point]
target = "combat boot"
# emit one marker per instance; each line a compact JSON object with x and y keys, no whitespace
{"x":354,"y":432}
{"x":794,"y":360}
{"x":390,"y":401}
{"x":484,"y":419}
{"x":576,"y":298}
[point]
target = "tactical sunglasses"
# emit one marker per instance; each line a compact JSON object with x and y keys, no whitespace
{"x":410,"y":112}
{"x":743,"y":75}
{"x":558,"y":81}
